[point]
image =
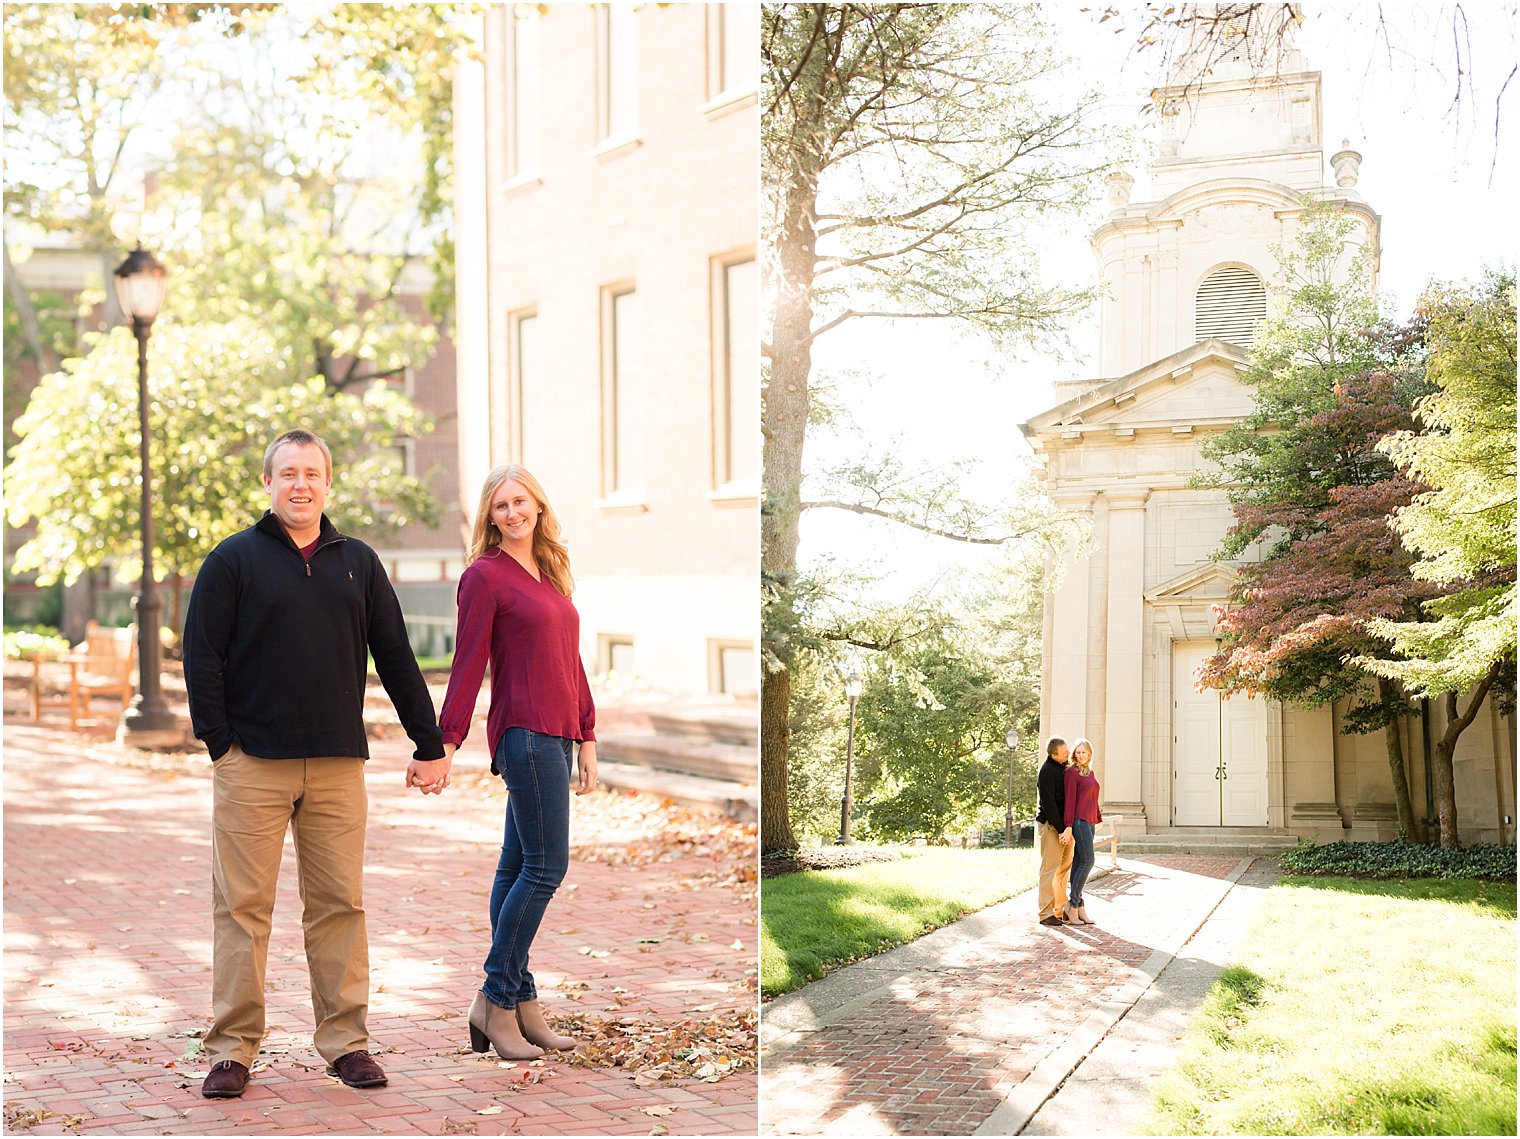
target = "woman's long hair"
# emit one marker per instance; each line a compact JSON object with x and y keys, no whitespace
{"x":548,"y":550}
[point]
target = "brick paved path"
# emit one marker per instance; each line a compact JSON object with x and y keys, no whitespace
{"x":107,"y":958}
{"x":950,"y":1034}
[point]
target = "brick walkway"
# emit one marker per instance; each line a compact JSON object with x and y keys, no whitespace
{"x":107,"y":959}
{"x":968,"y":1022}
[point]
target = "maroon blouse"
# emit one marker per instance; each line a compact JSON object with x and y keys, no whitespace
{"x":529,"y":633}
{"x":1081,"y":795}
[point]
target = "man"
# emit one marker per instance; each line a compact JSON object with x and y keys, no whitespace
{"x":280,"y":621}
{"x":1055,"y":842}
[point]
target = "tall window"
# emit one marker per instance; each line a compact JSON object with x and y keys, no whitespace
{"x":733,"y":48}
{"x":622,"y":395}
{"x":1231,"y":303}
{"x":736,"y":388}
{"x":522,"y":91}
{"x":529,"y":426}
{"x":617,"y":49}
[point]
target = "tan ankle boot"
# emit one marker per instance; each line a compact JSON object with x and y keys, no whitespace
{"x":493,"y":1025}
{"x":530,"y":1018}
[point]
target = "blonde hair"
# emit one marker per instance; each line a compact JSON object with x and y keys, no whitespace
{"x":549,"y":551}
{"x":1082,"y":740}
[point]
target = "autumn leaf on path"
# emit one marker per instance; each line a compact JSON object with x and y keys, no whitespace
{"x":653,"y":1051}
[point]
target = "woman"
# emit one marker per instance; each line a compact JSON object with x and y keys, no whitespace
{"x":515,"y":614}
{"x":1082,"y":814}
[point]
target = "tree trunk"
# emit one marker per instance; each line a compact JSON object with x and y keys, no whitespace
{"x":30,"y":327}
{"x":775,"y":807}
{"x":1457,"y":722}
{"x":1409,"y":826}
{"x":784,"y":424}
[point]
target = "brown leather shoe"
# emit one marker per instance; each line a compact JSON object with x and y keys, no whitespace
{"x":1051,"y":921}
{"x":226,"y":1080}
{"x":357,"y":1070}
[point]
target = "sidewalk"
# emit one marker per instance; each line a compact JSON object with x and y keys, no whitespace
{"x":650,"y":948}
{"x":971,"y":1029}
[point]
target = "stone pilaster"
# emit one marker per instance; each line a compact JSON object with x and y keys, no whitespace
{"x":1124,"y":665}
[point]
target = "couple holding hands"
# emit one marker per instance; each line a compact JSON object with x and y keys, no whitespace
{"x":281,"y":621}
{"x":1068,"y":811}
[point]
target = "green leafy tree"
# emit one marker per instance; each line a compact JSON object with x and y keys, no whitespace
{"x":75,"y":474}
{"x":1307,"y":483}
{"x":906,"y":148}
{"x":1461,"y":530}
{"x":305,"y":173}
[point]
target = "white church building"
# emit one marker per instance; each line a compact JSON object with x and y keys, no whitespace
{"x":1185,"y":278}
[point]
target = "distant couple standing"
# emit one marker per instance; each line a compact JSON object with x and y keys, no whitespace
{"x":1068,"y":811}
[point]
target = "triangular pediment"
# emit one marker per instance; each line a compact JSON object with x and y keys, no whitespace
{"x":1211,"y":581}
{"x":1200,"y":384}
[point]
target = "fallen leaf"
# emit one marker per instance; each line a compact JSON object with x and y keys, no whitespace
{"x":495,"y":1109}
{"x":658,"y":1109}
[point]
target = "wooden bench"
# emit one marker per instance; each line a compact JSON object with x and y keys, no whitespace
{"x":101,"y":665}
{"x":1110,"y":839}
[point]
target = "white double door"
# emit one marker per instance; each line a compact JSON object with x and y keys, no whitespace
{"x":1219,"y":750}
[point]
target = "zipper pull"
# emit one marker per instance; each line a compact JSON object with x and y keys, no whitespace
{"x":308,"y":569}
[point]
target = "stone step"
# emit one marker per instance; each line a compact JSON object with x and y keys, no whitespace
{"x":684,"y":755}
{"x":727,"y":724}
{"x":738,"y":800}
{"x":1240,"y":843}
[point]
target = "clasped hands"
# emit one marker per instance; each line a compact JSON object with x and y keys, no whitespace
{"x":431,"y":776}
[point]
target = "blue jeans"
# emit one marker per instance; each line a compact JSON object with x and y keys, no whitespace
{"x":1081,"y":859}
{"x":535,"y":853}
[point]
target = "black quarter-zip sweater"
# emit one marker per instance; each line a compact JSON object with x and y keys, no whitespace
{"x":276,"y":647}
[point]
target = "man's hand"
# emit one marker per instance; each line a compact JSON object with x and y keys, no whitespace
{"x":431,"y":776}
{"x":1066,"y":839}
{"x":587,"y":765}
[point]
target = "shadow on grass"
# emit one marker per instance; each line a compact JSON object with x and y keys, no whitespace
{"x":1497,"y":898}
{"x":816,"y":923}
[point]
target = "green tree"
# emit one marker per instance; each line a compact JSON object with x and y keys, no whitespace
{"x":302,"y":176}
{"x":1306,"y":481}
{"x":1462,"y":530}
{"x":906,"y":148}
{"x":936,"y":709}
{"x":216,"y":391}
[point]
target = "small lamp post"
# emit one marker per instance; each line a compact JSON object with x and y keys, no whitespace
{"x":852,"y":686}
{"x":140,"y":283}
{"x":1012,"y":740}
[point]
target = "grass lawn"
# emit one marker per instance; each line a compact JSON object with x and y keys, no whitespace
{"x":1357,"y":1007}
{"x":813,"y":922}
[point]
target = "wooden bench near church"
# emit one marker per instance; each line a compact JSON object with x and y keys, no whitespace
{"x":101,"y":665}
{"x":1110,"y":839}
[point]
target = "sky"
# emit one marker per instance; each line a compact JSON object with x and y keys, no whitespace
{"x":1428,"y":168}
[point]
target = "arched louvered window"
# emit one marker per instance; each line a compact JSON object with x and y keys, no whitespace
{"x":1231,"y":303}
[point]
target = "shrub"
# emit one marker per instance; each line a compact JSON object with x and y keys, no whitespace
{"x":22,"y":643}
{"x":1402,"y":860}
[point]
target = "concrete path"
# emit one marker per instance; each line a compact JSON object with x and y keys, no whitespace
{"x":1110,"y":1091}
{"x":973,"y":1028}
{"x":650,"y":947}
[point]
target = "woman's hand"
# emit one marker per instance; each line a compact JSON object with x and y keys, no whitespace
{"x":587,"y":767}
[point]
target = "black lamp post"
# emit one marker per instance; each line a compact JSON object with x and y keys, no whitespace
{"x":1012,"y":740}
{"x":852,"y":685}
{"x":140,"y":282}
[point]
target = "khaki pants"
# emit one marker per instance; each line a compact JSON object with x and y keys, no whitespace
{"x":1055,"y":870}
{"x":323,"y":801}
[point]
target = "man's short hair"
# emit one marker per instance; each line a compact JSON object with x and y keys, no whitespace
{"x":300,"y":438}
{"x":1054,"y":744}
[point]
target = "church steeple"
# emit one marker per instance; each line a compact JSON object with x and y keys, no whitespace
{"x":1239,"y":145}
